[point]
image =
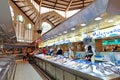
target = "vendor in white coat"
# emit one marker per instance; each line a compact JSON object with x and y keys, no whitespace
{"x":71,"y":53}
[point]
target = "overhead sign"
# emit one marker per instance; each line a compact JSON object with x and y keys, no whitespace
{"x":109,"y":32}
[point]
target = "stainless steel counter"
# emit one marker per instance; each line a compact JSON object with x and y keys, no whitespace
{"x":6,"y":67}
{"x":63,"y":71}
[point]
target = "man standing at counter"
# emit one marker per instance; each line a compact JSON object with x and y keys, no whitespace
{"x":71,"y":53}
{"x":59,"y":51}
{"x":89,"y":53}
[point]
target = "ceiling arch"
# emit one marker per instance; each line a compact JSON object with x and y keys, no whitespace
{"x":63,"y":5}
{"x":53,"y":18}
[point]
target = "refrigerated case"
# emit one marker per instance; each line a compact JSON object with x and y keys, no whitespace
{"x":7,"y":67}
{"x":60,"y":68}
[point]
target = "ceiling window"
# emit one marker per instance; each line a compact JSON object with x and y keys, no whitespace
{"x":62,"y":13}
{"x":45,"y":27}
{"x":28,"y":33}
{"x":20,"y":18}
{"x":29,"y":26}
{"x":35,"y":4}
{"x":70,"y":13}
{"x":20,"y":28}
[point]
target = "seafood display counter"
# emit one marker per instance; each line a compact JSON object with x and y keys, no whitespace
{"x":60,"y":68}
{"x":7,"y":65}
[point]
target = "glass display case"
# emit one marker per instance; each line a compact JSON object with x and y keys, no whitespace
{"x":80,"y":68}
{"x":7,"y":64}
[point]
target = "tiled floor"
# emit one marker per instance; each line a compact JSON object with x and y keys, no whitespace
{"x":24,"y":71}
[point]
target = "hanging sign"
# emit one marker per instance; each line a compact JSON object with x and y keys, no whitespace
{"x":109,"y":32}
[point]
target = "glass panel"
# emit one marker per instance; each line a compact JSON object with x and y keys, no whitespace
{"x":29,"y":26}
{"x":20,"y":28}
{"x":20,"y":18}
{"x":45,"y":27}
{"x":62,"y":13}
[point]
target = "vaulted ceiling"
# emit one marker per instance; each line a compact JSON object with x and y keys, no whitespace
{"x":27,"y":8}
{"x":64,"y":5}
{"x":51,"y":17}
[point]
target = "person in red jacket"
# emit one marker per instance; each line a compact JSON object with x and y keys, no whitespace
{"x":44,"y":51}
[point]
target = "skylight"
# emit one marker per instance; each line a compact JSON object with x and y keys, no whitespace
{"x":45,"y":27}
{"x":62,"y":13}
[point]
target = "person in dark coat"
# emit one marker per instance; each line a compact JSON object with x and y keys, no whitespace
{"x":89,"y":53}
{"x":115,"y":49}
{"x":59,"y":51}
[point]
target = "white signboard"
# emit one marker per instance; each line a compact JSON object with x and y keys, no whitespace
{"x":109,"y":32}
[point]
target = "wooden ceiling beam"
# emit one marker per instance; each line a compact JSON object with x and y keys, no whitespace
{"x":56,"y":17}
{"x":76,"y":8}
{"x":59,"y":20}
{"x":51,"y":17}
{"x":57,"y":23}
{"x":52,"y":2}
{"x":31,"y":13}
{"x":45,"y":17}
{"x":65,"y":1}
{"x":68,"y":5}
{"x":34,"y":17}
{"x":19,"y":1}
{"x":58,"y":0}
{"x":53,"y":8}
{"x":23,"y":6}
{"x":40,"y":4}
{"x":22,"y":12}
{"x":54,"y":21}
{"x":50,"y":22}
{"x":39,"y":14}
{"x":27,"y":10}
{"x":81,"y":3}
{"x":56,"y":3}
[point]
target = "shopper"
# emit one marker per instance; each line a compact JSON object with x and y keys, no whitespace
{"x":71,"y":53}
{"x":115,"y":49}
{"x":89,"y":53}
{"x":104,"y":49}
{"x":59,"y":51}
{"x":24,"y":56}
{"x":50,"y":51}
{"x":44,"y":51}
{"x":66,"y":54}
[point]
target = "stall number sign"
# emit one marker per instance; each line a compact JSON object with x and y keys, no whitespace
{"x":109,"y":32}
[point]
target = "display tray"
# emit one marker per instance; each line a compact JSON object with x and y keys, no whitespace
{"x":98,"y":70}
{"x":72,"y":70}
{"x":6,"y":67}
{"x":3,"y":63}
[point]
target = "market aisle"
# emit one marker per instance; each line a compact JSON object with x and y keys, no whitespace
{"x":24,"y":71}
